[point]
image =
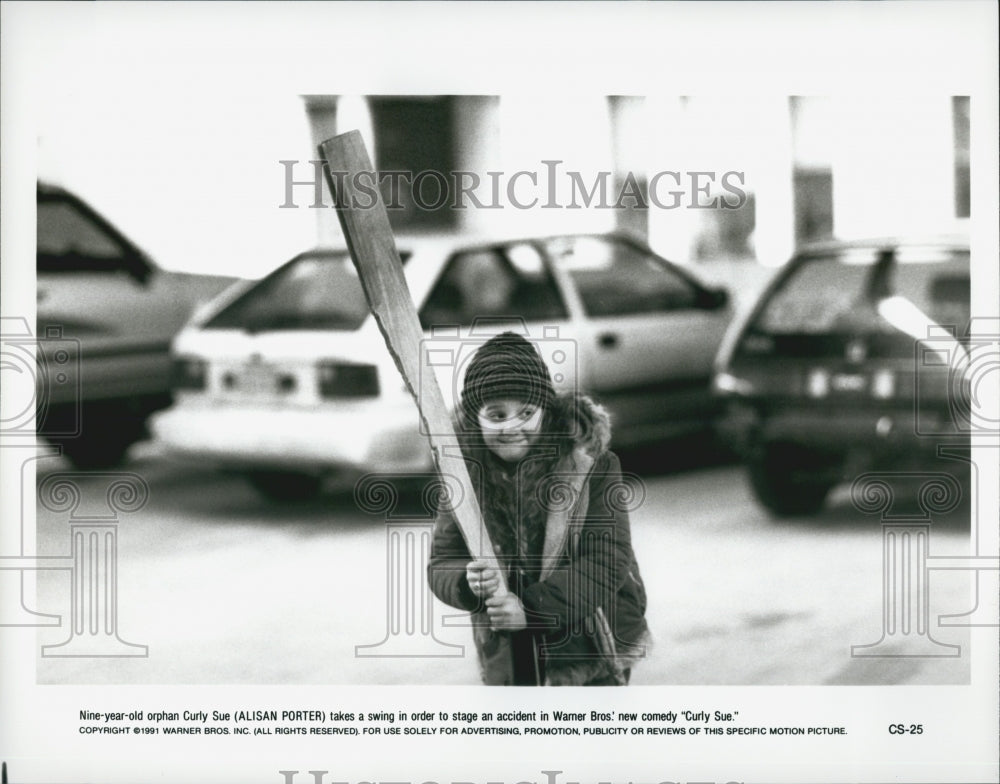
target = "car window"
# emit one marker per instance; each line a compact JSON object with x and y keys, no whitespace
{"x":871,"y":291}
{"x":510,"y":281}
{"x":614,"y":277}
{"x":69,"y":240}
{"x":316,"y":291}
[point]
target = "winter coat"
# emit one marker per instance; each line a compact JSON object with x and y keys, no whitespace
{"x":586,"y":611}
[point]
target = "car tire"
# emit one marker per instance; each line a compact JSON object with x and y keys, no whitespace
{"x":107,"y":436}
{"x":790,"y":480}
{"x":285,"y":486}
{"x":88,"y":454}
{"x":107,"y":430}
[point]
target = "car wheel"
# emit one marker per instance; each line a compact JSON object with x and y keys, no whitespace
{"x":108,"y":430}
{"x":87,"y":454}
{"x":790,"y":480}
{"x":105,"y":442}
{"x":285,"y":485}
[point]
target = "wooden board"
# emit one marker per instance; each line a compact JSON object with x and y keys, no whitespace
{"x":365,"y":223}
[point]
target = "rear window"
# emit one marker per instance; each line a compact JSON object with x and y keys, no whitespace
{"x":69,"y":240}
{"x":314,"y":291}
{"x":871,"y":291}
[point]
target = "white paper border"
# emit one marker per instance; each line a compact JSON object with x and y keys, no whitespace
{"x":639,"y":49}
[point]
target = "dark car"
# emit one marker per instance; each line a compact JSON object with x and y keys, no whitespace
{"x":853,"y":359}
{"x":106,"y":316}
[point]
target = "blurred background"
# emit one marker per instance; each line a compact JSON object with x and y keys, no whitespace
{"x":814,"y":166}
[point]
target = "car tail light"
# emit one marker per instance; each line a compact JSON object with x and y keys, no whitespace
{"x":347,"y":380}
{"x":818,"y":383}
{"x":883,"y":384}
{"x":188,"y":373}
{"x":727,"y":384}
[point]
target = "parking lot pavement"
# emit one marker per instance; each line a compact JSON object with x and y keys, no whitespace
{"x":223,"y":588}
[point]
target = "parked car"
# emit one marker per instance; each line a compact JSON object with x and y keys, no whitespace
{"x":290,"y":381}
{"x":854,"y":358}
{"x":106,"y":315}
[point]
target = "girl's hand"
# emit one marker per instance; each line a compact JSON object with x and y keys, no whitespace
{"x":483,"y":579}
{"x":506,"y":613}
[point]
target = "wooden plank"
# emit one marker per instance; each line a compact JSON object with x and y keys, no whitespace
{"x":365,"y":223}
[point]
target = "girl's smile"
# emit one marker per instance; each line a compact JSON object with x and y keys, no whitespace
{"x":510,"y":427}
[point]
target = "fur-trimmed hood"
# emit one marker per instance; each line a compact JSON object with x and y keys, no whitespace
{"x":592,"y":423}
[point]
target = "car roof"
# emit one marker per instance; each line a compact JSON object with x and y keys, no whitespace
{"x":428,"y":251}
{"x":476,"y":240}
{"x":49,"y":188}
{"x":958,"y":241}
{"x":424,"y":254}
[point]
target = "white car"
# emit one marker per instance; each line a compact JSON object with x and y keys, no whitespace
{"x":289,"y":380}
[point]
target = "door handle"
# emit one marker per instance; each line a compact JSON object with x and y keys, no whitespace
{"x":607,"y":340}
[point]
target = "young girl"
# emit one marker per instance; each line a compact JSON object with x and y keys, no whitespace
{"x":548,"y":488}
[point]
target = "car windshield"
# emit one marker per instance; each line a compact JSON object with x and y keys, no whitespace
{"x":871,"y":291}
{"x":313,"y":291}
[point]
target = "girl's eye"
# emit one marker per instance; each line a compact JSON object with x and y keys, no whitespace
{"x":527,"y":413}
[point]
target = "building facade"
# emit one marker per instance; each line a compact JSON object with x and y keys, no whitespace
{"x":703,"y":178}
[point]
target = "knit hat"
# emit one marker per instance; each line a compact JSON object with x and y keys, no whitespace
{"x":506,"y":366}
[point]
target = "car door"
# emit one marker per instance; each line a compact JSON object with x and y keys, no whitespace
{"x":648,"y":335}
{"x":486,"y":290}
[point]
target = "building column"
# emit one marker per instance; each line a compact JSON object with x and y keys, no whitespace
{"x":893,"y":165}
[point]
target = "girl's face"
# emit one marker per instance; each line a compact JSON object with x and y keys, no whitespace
{"x":510,"y":427}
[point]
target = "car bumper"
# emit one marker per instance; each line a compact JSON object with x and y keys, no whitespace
{"x":260,"y":437}
{"x":885,"y":431}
